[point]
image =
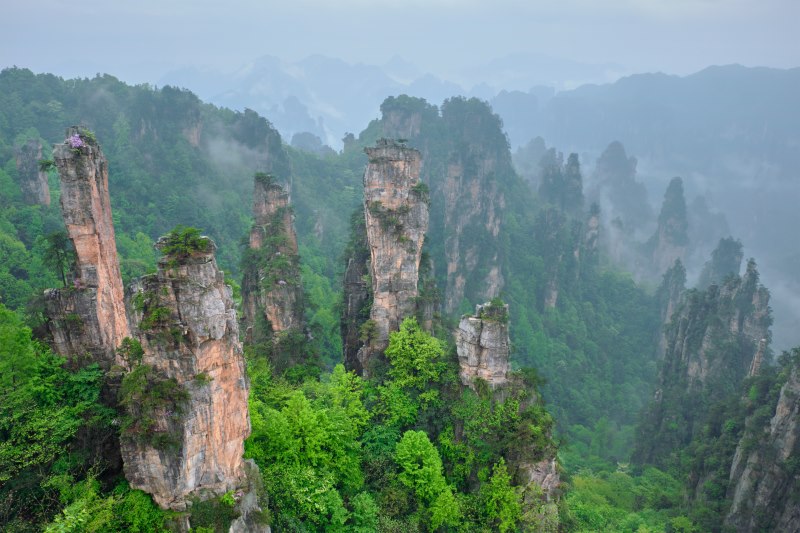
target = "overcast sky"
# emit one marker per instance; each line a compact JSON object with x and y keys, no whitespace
{"x":140,"y":41}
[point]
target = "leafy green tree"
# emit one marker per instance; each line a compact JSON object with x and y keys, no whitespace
{"x":59,"y":254}
{"x":501,"y":501}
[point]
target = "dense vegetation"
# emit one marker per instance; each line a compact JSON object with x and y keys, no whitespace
{"x":408,"y":450}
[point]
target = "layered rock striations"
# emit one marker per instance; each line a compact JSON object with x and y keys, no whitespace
{"x":483,"y":346}
{"x":271,"y":289}
{"x":31,"y":176}
{"x":764,"y":485}
{"x":186,"y":395}
{"x":396,"y":215}
{"x":712,"y":340}
{"x":467,"y":162}
{"x":88,"y":318}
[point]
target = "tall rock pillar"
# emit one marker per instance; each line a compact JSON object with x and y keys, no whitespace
{"x":396,"y":213}
{"x":186,"y":398}
{"x":32,"y":179}
{"x":89,"y":317}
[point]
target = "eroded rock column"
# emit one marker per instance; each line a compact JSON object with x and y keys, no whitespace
{"x":396,"y":213}
{"x":90,"y":316}
{"x":187,"y":396}
{"x":482,"y":344}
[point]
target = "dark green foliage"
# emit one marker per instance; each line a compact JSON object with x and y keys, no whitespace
{"x":215,"y":514}
{"x":151,"y":401}
{"x":52,"y":425}
{"x":183,"y":242}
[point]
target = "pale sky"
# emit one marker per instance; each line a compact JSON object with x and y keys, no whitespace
{"x":140,"y":41}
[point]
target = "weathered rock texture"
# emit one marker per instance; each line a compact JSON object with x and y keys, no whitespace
{"x":669,"y":296}
{"x":89,"y":318}
{"x":186,"y":323}
{"x":357,"y":295}
{"x":466,"y":162}
{"x":671,"y":239}
{"x":271,"y":288}
{"x":483,"y":346}
{"x":765,"y":478}
{"x":32,"y":180}
{"x":396,"y":214}
{"x":712,"y":339}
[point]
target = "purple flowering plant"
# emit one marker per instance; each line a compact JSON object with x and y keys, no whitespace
{"x":75,"y":141}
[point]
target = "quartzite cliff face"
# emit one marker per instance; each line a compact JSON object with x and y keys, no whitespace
{"x":396,"y":214}
{"x":193,"y":444}
{"x":483,"y":346}
{"x":32,"y":179}
{"x":466,"y":162}
{"x":89,"y":317}
{"x":184,"y":387}
{"x":714,"y":339}
{"x":271,"y":289}
{"x":765,"y":477}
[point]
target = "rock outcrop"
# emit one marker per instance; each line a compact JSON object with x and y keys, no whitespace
{"x":669,"y":295}
{"x":671,"y":239}
{"x":32,"y":178}
{"x":726,"y":260}
{"x":271,"y":288}
{"x":90,"y":317}
{"x":712,"y":340}
{"x":357,"y":294}
{"x":187,"y":397}
{"x":765,"y":477}
{"x":466,"y":162}
{"x":396,"y":214}
{"x":483,"y":346}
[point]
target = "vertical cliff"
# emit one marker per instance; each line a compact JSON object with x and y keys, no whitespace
{"x":483,"y":348}
{"x":186,"y":395}
{"x":357,"y":298}
{"x":669,"y":294}
{"x":89,"y":317}
{"x":483,"y":345}
{"x":671,"y":239}
{"x":396,"y":215}
{"x":726,"y":260}
{"x":32,"y":179}
{"x":712,"y":340}
{"x":467,"y":162}
{"x":271,"y":289}
{"x":765,"y":474}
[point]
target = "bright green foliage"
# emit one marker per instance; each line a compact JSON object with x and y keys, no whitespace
{"x":421,"y":471}
{"x":43,"y":407}
{"x":309,"y":439}
{"x":88,"y":510}
{"x":416,"y":360}
{"x":620,"y":502}
{"x":365,"y":514}
{"x":500,"y":501}
{"x":182,"y":242}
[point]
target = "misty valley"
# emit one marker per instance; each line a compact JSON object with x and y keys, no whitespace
{"x":532,"y":312}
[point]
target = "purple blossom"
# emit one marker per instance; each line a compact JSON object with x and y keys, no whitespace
{"x":75,"y":141}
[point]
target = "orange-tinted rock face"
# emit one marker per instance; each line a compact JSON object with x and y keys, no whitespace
{"x":196,"y":343}
{"x":32,"y":180}
{"x":396,"y":215}
{"x":95,"y":305}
